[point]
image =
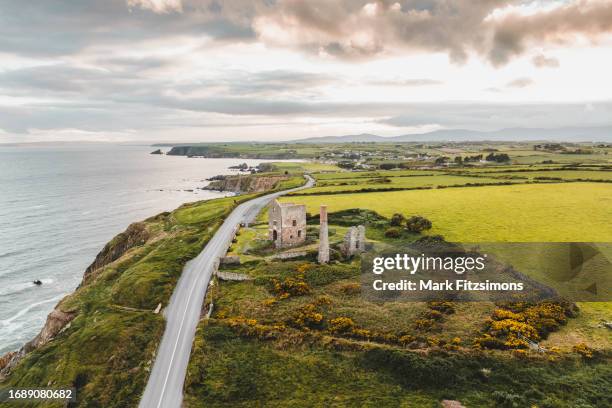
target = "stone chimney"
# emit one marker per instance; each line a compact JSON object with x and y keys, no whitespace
{"x":323,"y":237}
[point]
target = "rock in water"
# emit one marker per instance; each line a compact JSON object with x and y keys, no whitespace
{"x":37,"y":282}
{"x":158,"y":151}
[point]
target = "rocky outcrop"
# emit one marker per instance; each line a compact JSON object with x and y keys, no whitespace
{"x":56,"y":322}
{"x":5,"y":359}
{"x":245,"y":184}
{"x":136,"y":234}
{"x":158,"y":151}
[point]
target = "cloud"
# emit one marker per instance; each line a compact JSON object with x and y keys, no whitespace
{"x":542,"y":61}
{"x":489,"y":116}
{"x":157,"y":6}
{"x":514,"y":32}
{"x":495,"y":30}
{"x":408,"y":82}
{"x":520,"y":83}
{"x":122,"y":65}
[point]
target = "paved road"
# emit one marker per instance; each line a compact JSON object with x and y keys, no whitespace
{"x":165,"y":386}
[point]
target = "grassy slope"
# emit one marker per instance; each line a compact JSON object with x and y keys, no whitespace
{"x":243,"y":372}
{"x":108,"y":349}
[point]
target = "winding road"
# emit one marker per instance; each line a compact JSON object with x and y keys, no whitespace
{"x":165,"y":385}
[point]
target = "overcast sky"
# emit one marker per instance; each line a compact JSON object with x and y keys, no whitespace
{"x":198,"y":70}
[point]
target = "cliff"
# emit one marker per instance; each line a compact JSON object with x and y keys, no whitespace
{"x":136,"y":234}
{"x":241,"y":151}
{"x":61,"y":316}
{"x":246,"y":183}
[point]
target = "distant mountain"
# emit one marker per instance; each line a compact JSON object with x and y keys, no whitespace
{"x":363,"y":137}
{"x":566,"y":134}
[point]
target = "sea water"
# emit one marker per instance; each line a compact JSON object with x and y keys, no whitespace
{"x":60,"y":204}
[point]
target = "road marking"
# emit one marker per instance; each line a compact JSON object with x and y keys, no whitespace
{"x":163,"y":390}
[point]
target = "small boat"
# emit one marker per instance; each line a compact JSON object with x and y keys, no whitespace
{"x":37,"y":282}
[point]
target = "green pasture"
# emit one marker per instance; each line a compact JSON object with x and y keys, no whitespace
{"x":382,"y":183}
{"x":562,"y":174}
{"x":304,"y":166}
{"x":522,"y":213}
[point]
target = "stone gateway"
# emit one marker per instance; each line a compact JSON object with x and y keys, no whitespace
{"x":286,"y":224}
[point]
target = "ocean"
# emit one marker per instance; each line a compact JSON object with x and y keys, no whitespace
{"x":59,"y":205}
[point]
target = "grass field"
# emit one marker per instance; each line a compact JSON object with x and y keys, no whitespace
{"x":562,"y":158}
{"x":255,"y":351}
{"x":562,"y":174}
{"x":522,"y":213}
{"x":356,"y":184}
{"x":372,"y":174}
{"x":305,"y":166}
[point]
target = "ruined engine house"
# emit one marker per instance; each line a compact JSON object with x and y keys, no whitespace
{"x":286,"y":224}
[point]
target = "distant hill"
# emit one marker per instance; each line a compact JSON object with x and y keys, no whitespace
{"x":567,"y":134}
{"x":363,"y":137}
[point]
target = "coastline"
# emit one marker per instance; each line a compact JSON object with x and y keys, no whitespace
{"x":100,"y":206}
{"x":124,"y":251}
{"x":117,"y":306}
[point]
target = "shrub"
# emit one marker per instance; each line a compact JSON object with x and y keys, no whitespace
{"x":443,"y":306}
{"x":423,"y":324}
{"x":397,"y":220}
{"x":341,"y":325}
{"x":393,"y":232}
{"x":511,"y":322}
{"x":434,"y":315}
{"x":508,"y":400}
{"x":307,"y":316}
{"x":351,"y":288}
{"x":416,"y":223}
{"x":291,"y":287}
{"x":585,"y":351}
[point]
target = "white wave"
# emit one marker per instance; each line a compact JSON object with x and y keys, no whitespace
{"x":7,"y":322}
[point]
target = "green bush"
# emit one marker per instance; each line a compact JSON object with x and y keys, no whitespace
{"x":416,"y":223}
{"x":397,"y":220}
{"x":393,"y":232}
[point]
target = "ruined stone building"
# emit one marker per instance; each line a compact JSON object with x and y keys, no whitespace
{"x":354,"y":241}
{"x":323,"y":237}
{"x":286,"y":224}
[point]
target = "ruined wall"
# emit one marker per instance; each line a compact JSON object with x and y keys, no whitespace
{"x":354,"y":241}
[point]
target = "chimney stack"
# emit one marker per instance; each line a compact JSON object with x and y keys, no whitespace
{"x":323,"y":237}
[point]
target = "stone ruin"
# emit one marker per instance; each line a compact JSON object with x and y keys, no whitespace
{"x":287,"y":228}
{"x":354,"y":241}
{"x":286,"y":224}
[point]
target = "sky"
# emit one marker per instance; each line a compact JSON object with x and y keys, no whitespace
{"x":234,"y":70}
